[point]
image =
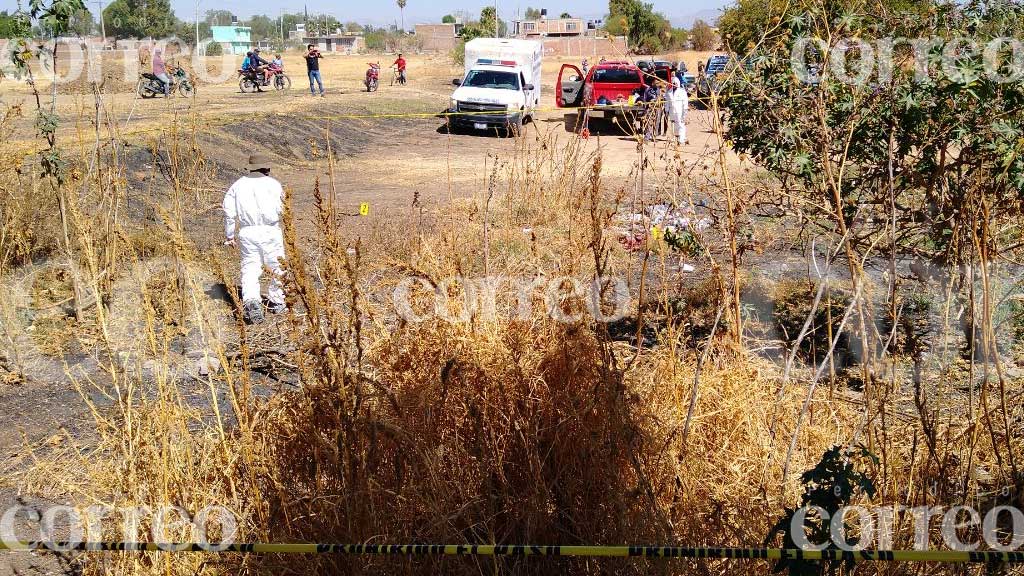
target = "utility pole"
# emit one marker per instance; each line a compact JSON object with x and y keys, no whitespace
{"x":198,"y":51}
{"x":103,"y":23}
{"x":281,"y":19}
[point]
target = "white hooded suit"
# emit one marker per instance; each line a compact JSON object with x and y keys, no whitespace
{"x":678,"y":103}
{"x":255,"y":203}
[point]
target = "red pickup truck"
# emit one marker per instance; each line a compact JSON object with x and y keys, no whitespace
{"x":607,"y":82}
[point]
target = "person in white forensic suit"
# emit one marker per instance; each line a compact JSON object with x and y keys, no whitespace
{"x":679,"y":103}
{"x":252,"y":216}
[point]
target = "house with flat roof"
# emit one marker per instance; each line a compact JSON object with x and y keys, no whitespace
{"x":337,"y":43}
{"x":234,"y":39}
{"x":553,"y":28}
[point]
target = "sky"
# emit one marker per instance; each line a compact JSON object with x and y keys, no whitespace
{"x":384,"y":12}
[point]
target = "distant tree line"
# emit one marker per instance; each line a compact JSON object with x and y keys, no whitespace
{"x":650,"y":32}
{"x":156,"y":19}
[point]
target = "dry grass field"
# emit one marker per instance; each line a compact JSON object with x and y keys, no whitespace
{"x":127,"y":377}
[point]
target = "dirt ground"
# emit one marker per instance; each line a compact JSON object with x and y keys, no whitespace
{"x":390,"y":147}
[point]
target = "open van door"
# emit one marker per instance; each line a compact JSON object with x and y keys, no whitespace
{"x":570,"y":86}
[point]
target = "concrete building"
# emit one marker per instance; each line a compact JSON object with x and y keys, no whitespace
{"x":554,"y":28}
{"x":336,"y":43}
{"x":438,"y":37}
{"x":234,"y":39}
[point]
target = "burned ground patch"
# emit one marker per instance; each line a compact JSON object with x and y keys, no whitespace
{"x":304,"y":138}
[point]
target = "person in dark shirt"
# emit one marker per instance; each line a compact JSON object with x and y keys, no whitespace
{"x":653,"y":98}
{"x":313,"y":57}
{"x":260,"y":66}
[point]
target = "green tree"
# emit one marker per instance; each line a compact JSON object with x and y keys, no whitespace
{"x":82,"y":23}
{"x":744,"y":23}
{"x":703,"y":36}
{"x":489,"y":23}
{"x":14,"y":25}
{"x":680,"y":37}
{"x":565,"y":15}
{"x":472,"y":30}
{"x":187,"y":32}
{"x":291,"y":20}
{"x":532,"y":14}
{"x":448,"y":19}
{"x":918,"y":157}
{"x":353,"y":27}
{"x":401,"y":6}
{"x":647,"y":31}
{"x":322,"y":25}
{"x":140,"y":19}
{"x":264,"y":27}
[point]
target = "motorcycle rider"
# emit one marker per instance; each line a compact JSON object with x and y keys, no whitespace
{"x":400,"y":65}
{"x":278,"y":62}
{"x":254,"y":204}
{"x":260,"y":66}
{"x":160,"y":71}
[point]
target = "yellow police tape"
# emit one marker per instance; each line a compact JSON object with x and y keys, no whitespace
{"x":652,"y":552}
{"x":622,"y":107}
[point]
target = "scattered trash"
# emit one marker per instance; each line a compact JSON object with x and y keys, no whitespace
{"x":662,"y":222}
{"x":208,"y":365}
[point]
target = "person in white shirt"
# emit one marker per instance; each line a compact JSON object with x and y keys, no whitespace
{"x":253,"y":205}
{"x":679,"y":102}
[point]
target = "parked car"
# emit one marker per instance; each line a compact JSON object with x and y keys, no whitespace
{"x":607,"y":82}
{"x":607,"y":88}
{"x":710,"y":79}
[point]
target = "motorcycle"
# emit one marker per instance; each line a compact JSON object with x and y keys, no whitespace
{"x":253,"y":81}
{"x":150,"y":86}
{"x":372,"y":80}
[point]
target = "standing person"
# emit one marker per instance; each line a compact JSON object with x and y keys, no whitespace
{"x":400,"y":65}
{"x":680,"y":71}
{"x":160,"y":71}
{"x":313,"y":57}
{"x":255,"y":203}
{"x":679,"y":102}
{"x":585,"y":66}
{"x":652,"y":98}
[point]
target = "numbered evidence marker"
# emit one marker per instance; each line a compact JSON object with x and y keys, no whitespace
{"x":364,"y":209}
